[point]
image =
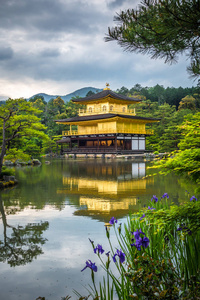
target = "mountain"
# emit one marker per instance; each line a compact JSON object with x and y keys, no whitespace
{"x":3,"y":98}
{"x":78,"y":93}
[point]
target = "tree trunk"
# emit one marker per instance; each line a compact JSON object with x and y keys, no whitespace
{"x":3,"y":147}
{"x":3,"y":219}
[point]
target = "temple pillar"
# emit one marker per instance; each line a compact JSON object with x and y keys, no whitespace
{"x":116,"y":143}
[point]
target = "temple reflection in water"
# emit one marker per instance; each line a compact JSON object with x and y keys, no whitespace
{"x":106,"y":188}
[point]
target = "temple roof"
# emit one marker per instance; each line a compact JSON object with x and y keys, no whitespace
{"x":105,"y":116}
{"x":64,"y":140}
{"x":104,"y":94}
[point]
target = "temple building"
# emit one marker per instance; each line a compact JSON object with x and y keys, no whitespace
{"x":106,"y":125}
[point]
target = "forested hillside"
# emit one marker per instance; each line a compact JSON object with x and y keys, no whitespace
{"x":162,"y":95}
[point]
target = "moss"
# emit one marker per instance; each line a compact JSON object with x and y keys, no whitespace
{"x":6,"y":184}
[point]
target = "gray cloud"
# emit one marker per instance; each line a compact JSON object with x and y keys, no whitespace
{"x":63,"y":41}
{"x":50,"y":53}
{"x":116,"y":3}
{"x":48,"y":15}
{"x":6,"y":53}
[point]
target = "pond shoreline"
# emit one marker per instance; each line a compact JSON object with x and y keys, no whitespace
{"x":8,"y":181}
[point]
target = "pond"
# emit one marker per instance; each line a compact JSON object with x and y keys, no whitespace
{"x":48,"y":218}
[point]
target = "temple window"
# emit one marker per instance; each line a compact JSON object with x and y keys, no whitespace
{"x":90,"y":109}
{"x":111,"y":108}
{"x":124,"y":109}
{"x":104,"y":108}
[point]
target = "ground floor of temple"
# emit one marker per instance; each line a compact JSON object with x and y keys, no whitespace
{"x":104,"y":143}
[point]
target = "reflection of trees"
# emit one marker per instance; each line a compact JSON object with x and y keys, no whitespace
{"x":42,"y":181}
{"x":21,"y":244}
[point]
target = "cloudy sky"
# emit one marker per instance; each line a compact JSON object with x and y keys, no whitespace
{"x":57,"y":47}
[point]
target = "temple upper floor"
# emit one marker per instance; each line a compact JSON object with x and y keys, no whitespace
{"x":106,"y":102}
{"x":106,"y":107}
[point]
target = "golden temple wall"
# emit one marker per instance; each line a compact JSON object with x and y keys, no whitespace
{"x":107,"y":126}
{"x":130,"y":127}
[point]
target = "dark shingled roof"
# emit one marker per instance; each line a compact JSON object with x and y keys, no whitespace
{"x":64,"y":140}
{"x":104,"y":94}
{"x":104,"y":116}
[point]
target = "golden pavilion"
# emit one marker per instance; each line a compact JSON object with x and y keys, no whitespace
{"x":105,"y":126}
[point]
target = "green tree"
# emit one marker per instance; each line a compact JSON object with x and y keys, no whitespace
{"x":18,"y":119}
{"x":72,"y":108}
{"x":59,"y":104}
{"x":161,"y":28}
{"x":187,"y":102}
{"x":166,"y":133}
{"x":39,"y":104}
{"x":187,"y":160}
{"x":123,"y":91}
{"x":90,"y":93}
{"x":37,"y":97}
{"x":157,"y":94}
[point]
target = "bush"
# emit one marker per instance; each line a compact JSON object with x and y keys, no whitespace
{"x":7,"y":172}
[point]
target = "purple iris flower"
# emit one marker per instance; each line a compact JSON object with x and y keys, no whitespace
{"x":113,"y":220}
{"x":154,"y":198}
{"x":193,"y":198}
{"x":137,"y":233}
{"x":140,"y":241}
{"x":150,"y":208}
{"x":121,"y":256}
{"x":145,"y":242}
{"x":143,"y":216}
{"x":108,"y":253}
{"x":98,"y":249}
{"x":90,"y":265}
{"x":165,"y":195}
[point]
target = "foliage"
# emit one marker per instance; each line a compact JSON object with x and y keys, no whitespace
{"x":158,"y":261}
{"x":161,"y":95}
{"x":163,"y":29}
{"x":59,"y":104}
{"x":154,"y":279}
{"x":187,"y":160}
{"x":15,"y":154}
{"x":187,"y":214}
{"x":187,"y":102}
{"x":166,"y":134}
{"x":18,"y":119}
{"x":51,"y":146}
{"x":73,"y":108}
{"x":37,"y":97}
{"x":90,"y":93}
{"x":7,"y":171}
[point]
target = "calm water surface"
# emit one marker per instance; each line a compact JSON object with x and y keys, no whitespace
{"x":49,"y":216}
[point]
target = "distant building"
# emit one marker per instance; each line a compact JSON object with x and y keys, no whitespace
{"x":106,"y":125}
